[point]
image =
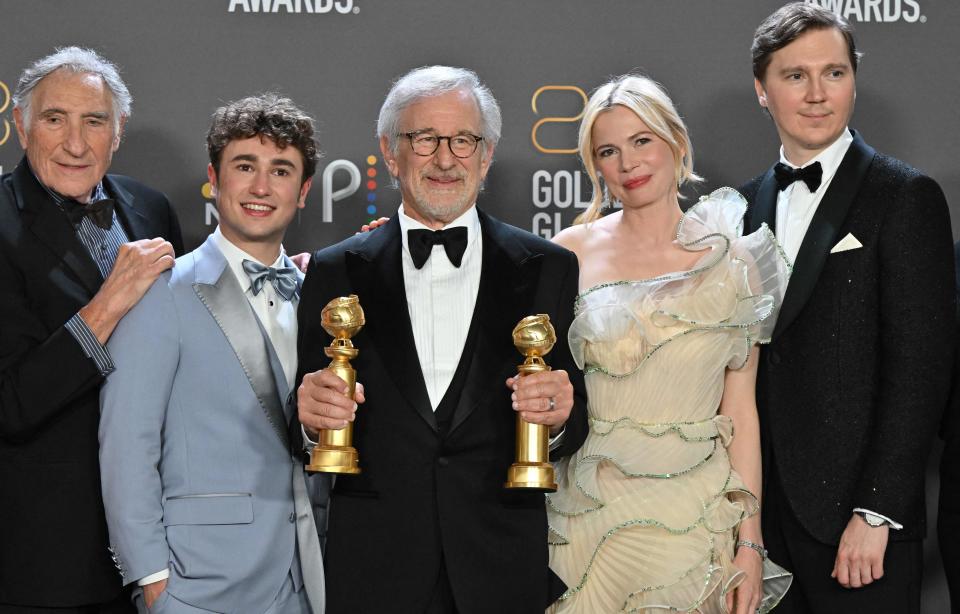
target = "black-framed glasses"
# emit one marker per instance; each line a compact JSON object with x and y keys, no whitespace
{"x":427,"y":143}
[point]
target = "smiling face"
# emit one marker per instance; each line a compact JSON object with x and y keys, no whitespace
{"x":638,"y":166}
{"x":437,"y":189}
{"x":258,"y":192}
{"x":71,"y":136}
{"x":809,"y":89}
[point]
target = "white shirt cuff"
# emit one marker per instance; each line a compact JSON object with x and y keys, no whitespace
{"x":154,"y":577}
{"x":556,"y":440}
{"x":308,"y":442}
{"x":893,"y":524}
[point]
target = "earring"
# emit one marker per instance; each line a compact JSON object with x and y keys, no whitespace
{"x":607,"y":202}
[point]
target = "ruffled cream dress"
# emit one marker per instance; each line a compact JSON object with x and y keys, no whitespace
{"x":646,"y":515}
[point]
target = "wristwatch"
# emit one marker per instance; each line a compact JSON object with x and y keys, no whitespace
{"x":871,"y":519}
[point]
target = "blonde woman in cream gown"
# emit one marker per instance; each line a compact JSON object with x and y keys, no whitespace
{"x":659,"y":510}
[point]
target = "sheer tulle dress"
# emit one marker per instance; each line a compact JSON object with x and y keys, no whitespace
{"x":646,"y":515}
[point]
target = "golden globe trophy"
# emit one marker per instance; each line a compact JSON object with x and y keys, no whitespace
{"x":534,"y":337}
{"x":342,"y":318}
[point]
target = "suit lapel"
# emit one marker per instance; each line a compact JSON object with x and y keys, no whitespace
{"x":765,"y":203}
{"x":508,"y":277}
{"x":824,"y":230}
{"x":52,"y":228}
{"x":221,"y":294}
{"x":136,"y":225}
{"x":376,"y":274}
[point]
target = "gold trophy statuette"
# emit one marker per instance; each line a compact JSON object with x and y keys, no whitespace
{"x":342,"y":318}
{"x":534,"y":337}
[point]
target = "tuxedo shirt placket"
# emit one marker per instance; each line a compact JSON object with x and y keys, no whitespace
{"x":440,"y":302}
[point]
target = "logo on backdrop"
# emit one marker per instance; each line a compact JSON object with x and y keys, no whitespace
{"x":879,"y":11}
{"x":558,"y":195}
{"x":6,"y":125}
{"x":339,"y":180}
{"x":343,"y":7}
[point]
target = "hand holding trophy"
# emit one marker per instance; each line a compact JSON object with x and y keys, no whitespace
{"x":342,"y":318}
{"x":534,"y":338}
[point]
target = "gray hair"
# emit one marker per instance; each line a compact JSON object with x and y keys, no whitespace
{"x":430,"y":81}
{"x":77,"y":60}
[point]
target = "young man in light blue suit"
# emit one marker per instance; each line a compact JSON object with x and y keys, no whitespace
{"x":207,"y":506}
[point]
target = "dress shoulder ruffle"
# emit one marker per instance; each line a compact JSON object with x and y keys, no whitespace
{"x":738,"y":285}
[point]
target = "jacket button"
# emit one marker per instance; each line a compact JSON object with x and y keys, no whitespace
{"x":292,"y":517}
{"x":443,"y":461}
{"x":774,"y":358}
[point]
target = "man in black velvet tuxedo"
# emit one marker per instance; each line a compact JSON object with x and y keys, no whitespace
{"x":78,"y":248}
{"x":948,"y":518}
{"x":851,"y":388}
{"x":428,"y":526}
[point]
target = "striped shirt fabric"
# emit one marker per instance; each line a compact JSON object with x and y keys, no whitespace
{"x":103,"y":247}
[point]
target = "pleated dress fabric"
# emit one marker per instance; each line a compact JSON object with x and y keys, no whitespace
{"x":646,"y":514}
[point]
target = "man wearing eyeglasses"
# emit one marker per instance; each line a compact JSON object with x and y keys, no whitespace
{"x":428,"y":525}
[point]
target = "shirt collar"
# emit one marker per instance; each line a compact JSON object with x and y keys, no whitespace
{"x":468,"y":219}
{"x":829,"y":159}
{"x":235,"y":257}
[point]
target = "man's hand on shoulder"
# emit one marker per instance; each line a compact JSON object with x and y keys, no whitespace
{"x":860,"y":554}
{"x":138,"y":265}
{"x":543,"y":398}
{"x":374,"y":224}
{"x":322,"y":402}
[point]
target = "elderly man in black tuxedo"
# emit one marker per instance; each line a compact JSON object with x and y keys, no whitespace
{"x":78,"y":248}
{"x":428,"y":526}
{"x":851,"y":389}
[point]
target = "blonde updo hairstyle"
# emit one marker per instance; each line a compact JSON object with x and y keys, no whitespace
{"x":650,"y":102}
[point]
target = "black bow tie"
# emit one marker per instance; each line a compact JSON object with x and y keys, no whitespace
{"x":421,"y":242}
{"x":100,"y":212}
{"x":787,"y":175}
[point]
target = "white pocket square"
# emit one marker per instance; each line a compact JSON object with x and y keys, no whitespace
{"x":846,"y":244}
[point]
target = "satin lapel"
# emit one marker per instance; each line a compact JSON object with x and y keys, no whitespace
{"x":376,"y":274}
{"x":765,"y":203}
{"x":52,"y":228}
{"x":223,"y":297}
{"x":824,"y":230}
{"x":134,"y":223}
{"x":508,"y":280}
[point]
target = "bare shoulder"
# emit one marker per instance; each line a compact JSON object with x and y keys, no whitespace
{"x":573,"y":238}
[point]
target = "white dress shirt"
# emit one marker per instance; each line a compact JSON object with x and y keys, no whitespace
{"x":440,"y":301}
{"x":796,"y":207}
{"x":278,"y":317}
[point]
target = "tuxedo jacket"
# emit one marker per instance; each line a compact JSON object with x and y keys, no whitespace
{"x":948,"y":518}
{"x":195,"y":458}
{"x":431,"y":489}
{"x":53,"y":538}
{"x":851,"y":388}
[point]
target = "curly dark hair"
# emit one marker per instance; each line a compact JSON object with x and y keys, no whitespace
{"x":787,"y":24}
{"x":269,"y":115}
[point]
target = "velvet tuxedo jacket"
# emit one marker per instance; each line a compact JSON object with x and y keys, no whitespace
{"x":852,"y":386}
{"x":53,"y":537}
{"x":431,"y":488}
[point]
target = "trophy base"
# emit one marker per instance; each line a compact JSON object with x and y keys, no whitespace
{"x":531,"y":476}
{"x":334,"y":460}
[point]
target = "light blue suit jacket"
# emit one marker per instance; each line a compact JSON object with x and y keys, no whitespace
{"x":196,"y":467}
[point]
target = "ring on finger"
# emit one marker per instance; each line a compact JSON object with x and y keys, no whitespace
{"x":553,"y":404}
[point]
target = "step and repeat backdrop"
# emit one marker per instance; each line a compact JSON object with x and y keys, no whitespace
{"x":337,"y":58}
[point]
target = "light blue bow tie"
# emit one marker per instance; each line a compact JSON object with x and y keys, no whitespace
{"x":284,"y":279}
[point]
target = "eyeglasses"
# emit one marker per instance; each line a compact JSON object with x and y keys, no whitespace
{"x":426,"y":143}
